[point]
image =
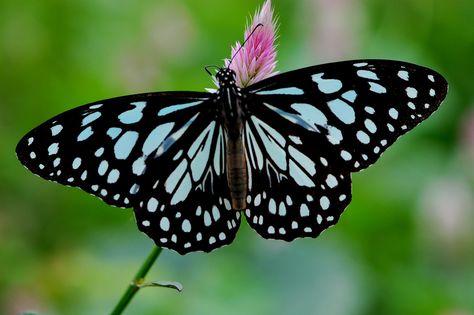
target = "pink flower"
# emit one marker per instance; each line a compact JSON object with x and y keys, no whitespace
{"x":257,"y":59}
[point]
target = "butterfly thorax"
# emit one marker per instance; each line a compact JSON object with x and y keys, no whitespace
{"x":229,"y":100}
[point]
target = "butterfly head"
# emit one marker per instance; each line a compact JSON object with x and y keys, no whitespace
{"x":225,"y":77}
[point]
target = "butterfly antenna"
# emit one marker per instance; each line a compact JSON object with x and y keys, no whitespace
{"x":238,"y":50}
{"x":211,"y":66}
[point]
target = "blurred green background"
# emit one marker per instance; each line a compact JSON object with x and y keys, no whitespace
{"x":404,"y":246}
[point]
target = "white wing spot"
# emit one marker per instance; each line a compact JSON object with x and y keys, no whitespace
{"x":103,"y":166}
{"x":257,"y":200}
{"x":331,"y":181}
{"x":156,"y":138}
{"x":76,"y":163}
{"x":283,"y":91}
{"x":377,"y":88}
{"x":113,"y":176}
{"x":90,"y":118}
{"x":99,"y":152}
{"x":227,"y":204}
{"x":222,"y":236}
{"x":86,"y":133}
{"x":207,"y":218}
{"x":96,"y":106}
{"x":212,"y":240}
{"x":133,"y":115}
{"x":146,"y":223}
{"x":272,"y":206}
{"x":56,"y":162}
{"x":304,"y":211}
{"x":346,"y":155}
{"x":113,"y":132}
{"x":152,"y":204}
{"x":186,"y":226}
{"x":55,"y":130}
{"x":53,"y":148}
{"x":369,"y":124}
{"x":282,"y":209}
{"x":125,"y":144}
{"x":432,"y":92}
{"x":350,"y":96}
{"x":343,"y":111}
{"x":411,"y":92}
{"x":403,"y":74}
{"x":138,"y":166}
{"x":134,"y":189}
{"x":393,"y":113}
{"x":33,"y":155}
{"x":326,"y":86}
{"x":363,"y":137}
{"x":431,"y":77}
{"x":165,"y":224}
{"x":215,"y":213}
{"x":324,"y":202}
{"x":369,"y":109}
{"x":366,"y":74}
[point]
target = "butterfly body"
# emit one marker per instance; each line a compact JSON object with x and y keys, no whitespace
{"x":230,"y":101}
{"x":280,"y":152}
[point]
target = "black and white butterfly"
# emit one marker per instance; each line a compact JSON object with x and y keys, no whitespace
{"x":280,"y":151}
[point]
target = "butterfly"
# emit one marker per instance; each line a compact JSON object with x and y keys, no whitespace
{"x":279,"y":152}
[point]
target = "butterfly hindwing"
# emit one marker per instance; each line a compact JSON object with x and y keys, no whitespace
{"x":189,"y":207}
{"x":360,"y":107}
{"x":291,"y":192}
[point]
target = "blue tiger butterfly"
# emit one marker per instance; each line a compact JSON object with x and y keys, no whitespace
{"x":280,"y":151}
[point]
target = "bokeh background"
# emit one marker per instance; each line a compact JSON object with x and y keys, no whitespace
{"x":404,"y":246}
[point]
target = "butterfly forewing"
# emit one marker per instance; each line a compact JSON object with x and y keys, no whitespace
{"x":359,"y":107}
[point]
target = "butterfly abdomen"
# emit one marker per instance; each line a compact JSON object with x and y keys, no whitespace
{"x":236,"y":172}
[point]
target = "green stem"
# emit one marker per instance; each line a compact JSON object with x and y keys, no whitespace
{"x":134,"y":286}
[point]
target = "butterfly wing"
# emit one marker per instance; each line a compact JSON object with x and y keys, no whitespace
{"x":135,"y":150}
{"x":312,"y":127}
